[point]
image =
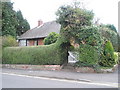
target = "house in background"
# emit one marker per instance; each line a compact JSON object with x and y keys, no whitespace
{"x":36,"y":35}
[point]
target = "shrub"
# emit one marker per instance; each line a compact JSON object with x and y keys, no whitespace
{"x":36,"y":55}
{"x":119,"y":43}
{"x":116,"y":54}
{"x":118,"y":57}
{"x":51,"y":38}
{"x":9,"y":41}
{"x":110,"y":35}
{"x":0,"y":50}
{"x":91,"y":36}
{"x":91,"y":47}
{"x":107,"y":57}
{"x":88,"y":56}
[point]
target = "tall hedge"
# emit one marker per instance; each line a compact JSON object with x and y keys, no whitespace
{"x":36,"y":55}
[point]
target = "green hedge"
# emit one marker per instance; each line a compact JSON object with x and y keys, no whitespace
{"x":36,"y":55}
{"x":108,"y":57}
{"x":88,"y":56}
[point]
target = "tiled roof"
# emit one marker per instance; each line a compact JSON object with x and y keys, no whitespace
{"x":41,"y":31}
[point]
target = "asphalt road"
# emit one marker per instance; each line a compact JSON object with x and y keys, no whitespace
{"x":23,"y":81}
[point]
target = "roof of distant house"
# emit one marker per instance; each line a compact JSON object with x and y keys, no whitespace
{"x":41,"y":31}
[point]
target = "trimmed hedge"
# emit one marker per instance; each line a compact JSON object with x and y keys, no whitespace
{"x":35,"y":55}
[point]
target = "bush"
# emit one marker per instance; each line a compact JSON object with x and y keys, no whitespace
{"x":118,"y":57}
{"x":108,"y":57}
{"x":110,"y":35}
{"x":88,"y":56}
{"x":9,"y":41}
{"x":91,"y":36}
{"x":36,"y":55}
{"x":116,"y":54}
{"x":91,"y":46}
{"x":0,"y":50}
{"x":51,"y":38}
{"x":119,"y":43}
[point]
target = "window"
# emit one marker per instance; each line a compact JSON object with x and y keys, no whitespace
{"x":22,"y":43}
{"x":35,"y":42}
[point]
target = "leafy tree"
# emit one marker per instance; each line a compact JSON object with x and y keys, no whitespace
{"x":9,"y":21}
{"x":23,"y":25}
{"x":111,"y":35}
{"x":13,"y":22}
{"x":72,"y":18}
{"x":109,"y":26}
{"x":112,"y":27}
{"x":51,"y":38}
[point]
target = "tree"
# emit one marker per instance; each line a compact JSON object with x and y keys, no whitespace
{"x":72,"y":18}
{"x":13,"y":22}
{"x":23,"y":25}
{"x":51,"y":38}
{"x":112,"y":27}
{"x":0,"y":18}
{"x":109,"y":26}
{"x":9,"y":21}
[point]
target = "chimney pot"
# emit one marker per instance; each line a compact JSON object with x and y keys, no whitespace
{"x":40,"y":22}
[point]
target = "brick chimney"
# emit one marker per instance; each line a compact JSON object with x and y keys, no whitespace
{"x":40,"y":22}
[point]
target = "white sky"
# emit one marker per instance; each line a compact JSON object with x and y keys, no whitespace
{"x":33,"y":10}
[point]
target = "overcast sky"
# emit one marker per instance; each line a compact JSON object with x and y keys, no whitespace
{"x":33,"y":10}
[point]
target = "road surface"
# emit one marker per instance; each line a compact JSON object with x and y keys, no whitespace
{"x":24,"y":81}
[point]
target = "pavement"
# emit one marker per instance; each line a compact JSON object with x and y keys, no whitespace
{"x":24,"y":81}
{"x":68,"y":74}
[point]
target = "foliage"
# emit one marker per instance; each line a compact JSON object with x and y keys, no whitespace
{"x":88,"y":56}
{"x":23,"y":25}
{"x":118,"y":43}
{"x":110,"y":27}
{"x":119,"y":57}
{"x":90,"y":35}
{"x":9,"y":21}
{"x":51,"y":38}
{"x":116,"y":55}
{"x":9,"y":41}
{"x":36,"y":55}
{"x":72,"y":19}
{"x":13,"y":22}
{"x":108,"y":58}
{"x":0,"y":18}
{"x":0,"y":50}
{"x":108,"y":34}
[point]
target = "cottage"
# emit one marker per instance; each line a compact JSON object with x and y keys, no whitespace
{"x":36,"y":35}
